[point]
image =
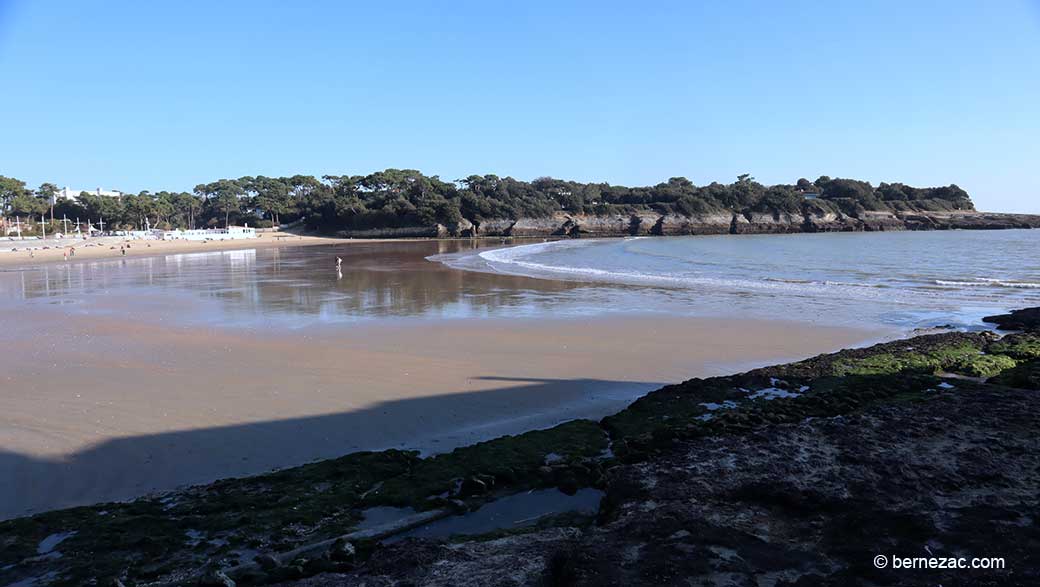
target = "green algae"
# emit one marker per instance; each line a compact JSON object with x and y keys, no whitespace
{"x":949,"y":358}
{"x":1024,"y":376}
{"x":1022,"y":347}
{"x":965,"y":354}
{"x":149,"y":538}
{"x":676,"y":405}
{"x":983,"y":365}
{"x":505,"y":461}
{"x":826,"y":396}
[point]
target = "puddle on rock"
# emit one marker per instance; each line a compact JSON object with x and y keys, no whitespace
{"x":377,"y":516}
{"x":507,"y":513}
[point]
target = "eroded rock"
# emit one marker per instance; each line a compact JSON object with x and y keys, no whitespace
{"x":810,"y":503}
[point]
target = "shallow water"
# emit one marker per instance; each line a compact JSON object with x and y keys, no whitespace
{"x":909,"y":279}
{"x":508,"y":513}
{"x":290,"y":287}
{"x":906,"y":279}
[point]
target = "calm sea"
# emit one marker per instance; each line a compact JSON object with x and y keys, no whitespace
{"x":906,"y":279}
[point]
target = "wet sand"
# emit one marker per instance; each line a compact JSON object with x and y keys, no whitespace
{"x":117,"y":409}
{"x":124,"y":377}
{"x":108,"y":248}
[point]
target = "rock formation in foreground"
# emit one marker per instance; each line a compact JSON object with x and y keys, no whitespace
{"x":954,"y":474}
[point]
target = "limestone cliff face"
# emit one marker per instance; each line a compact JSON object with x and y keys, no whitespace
{"x":648,"y":223}
{"x":777,"y":222}
{"x":830,"y":222}
{"x":718,"y":223}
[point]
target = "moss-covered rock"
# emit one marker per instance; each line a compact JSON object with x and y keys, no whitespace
{"x":648,"y":426}
{"x":982,"y":365}
{"x":948,"y":358}
{"x":152,"y":538}
{"x":825,"y":385}
{"x":505,"y":461}
{"x":1017,"y":346}
{"x":1024,"y":376}
{"x":925,"y":354}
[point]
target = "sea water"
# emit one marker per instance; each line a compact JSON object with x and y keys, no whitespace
{"x":903,"y":279}
{"x":914,"y":279}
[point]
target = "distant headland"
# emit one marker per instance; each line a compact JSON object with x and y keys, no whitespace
{"x":406,"y":203}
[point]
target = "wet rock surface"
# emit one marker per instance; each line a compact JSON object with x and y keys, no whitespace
{"x":1027,"y":319}
{"x":812,"y":503}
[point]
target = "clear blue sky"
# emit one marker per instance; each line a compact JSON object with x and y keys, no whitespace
{"x":143,"y":95}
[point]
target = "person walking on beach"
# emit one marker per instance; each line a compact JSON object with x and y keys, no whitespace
{"x":339,"y":263}
{"x":65,"y":254}
{"x":72,"y":251}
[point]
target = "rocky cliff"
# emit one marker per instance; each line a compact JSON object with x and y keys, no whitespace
{"x":648,"y":223}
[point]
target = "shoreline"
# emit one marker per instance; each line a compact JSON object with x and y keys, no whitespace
{"x":107,"y":248}
{"x":154,"y":248}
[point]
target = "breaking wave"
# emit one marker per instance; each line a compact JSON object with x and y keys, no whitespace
{"x":907,"y":278}
{"x":985,"y":282}
{"x":519,"y":260}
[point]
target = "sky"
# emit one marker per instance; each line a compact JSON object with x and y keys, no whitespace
{"x":163,"y":96}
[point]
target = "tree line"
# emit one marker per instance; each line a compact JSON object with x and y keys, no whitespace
{"x":398,"y":198}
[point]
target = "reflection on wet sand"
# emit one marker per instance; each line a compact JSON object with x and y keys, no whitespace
{"x":297,"y":285}
{"x":124,"y":377}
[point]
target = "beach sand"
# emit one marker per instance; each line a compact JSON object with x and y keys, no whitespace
{"x":129,"y":409}
{"x":109,"y":248}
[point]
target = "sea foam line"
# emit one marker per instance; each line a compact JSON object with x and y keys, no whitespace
{"x":987,"y":282}
{"x":509,"y":260}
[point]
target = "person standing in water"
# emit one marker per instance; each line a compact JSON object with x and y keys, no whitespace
{"x":339,"y":263}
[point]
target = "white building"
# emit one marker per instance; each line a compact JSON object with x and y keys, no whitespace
{"x":67,"y":193}
{"x":207,"y":234}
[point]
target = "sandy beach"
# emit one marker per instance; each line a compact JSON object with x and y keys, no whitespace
{"x":124,"y":377}
{"x":130,"y":409}
{"x":109,"y":248}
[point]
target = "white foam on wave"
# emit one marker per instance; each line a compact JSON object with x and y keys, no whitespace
{"x":514,"y":261}
{"x":988,"y":282}
{"x":539,"y":261}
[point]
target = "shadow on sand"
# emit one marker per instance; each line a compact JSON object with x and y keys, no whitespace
{"x":124,"y":468}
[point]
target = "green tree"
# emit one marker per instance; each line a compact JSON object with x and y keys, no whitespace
{"x":48,"y":192}
{"x":10,"y":188}
{"x":26,"y":204}
{"x":106,"y":208}
{"x":187,"y":207}
{"x":273,"y":197}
